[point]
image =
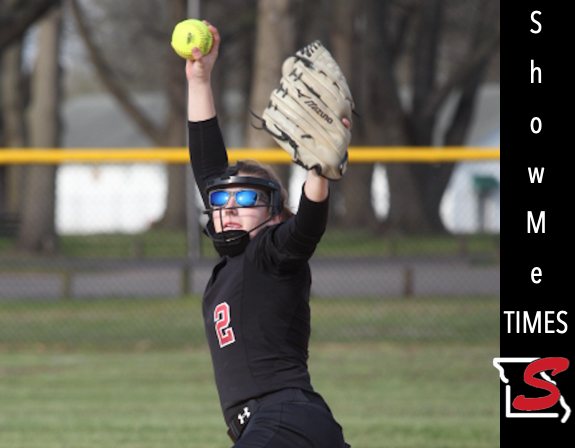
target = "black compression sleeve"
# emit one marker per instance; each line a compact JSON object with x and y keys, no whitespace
{"x":311,"y":217}
{"x":207,"y":151}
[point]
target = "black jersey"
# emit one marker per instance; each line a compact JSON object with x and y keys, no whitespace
{"x":256,"y":304}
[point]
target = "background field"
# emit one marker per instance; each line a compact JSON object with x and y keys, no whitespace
{"x":160,"y":244}
{"x":136,"y":373}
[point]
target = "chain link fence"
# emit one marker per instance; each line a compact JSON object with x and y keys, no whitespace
{"x":117,"y":279}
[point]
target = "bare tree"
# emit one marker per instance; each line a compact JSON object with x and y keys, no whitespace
{"x":175,"y":128}
{"x":414,"y":55}
{"x":274,"y":42}
{"x":13,"y":87}
{"x":417,"y":189}
{"x":17,"y":17}
{"x":232,"y":76}
{"x":37,"y":232}
{"x":357,"y":59}
{"x":170,"y":133}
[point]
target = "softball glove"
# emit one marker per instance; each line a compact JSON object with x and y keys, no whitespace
{"x":305,"y":112}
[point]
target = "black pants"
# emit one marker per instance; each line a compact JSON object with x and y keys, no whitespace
{"x":293,"y":422}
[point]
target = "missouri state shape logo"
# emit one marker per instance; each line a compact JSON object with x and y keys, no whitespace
{"x":532,"y":389}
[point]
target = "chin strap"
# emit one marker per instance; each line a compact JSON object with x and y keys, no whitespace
{"x":229,"y":238}
{"x":232,"y":242}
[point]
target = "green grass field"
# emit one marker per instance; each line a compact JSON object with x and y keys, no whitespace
{"x":160,"y":243}
{"x":137,"y":373}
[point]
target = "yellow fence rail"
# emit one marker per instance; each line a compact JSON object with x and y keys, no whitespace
{"x":363,"y":154}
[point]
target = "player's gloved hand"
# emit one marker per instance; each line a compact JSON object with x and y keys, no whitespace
{"x":310,"y":113}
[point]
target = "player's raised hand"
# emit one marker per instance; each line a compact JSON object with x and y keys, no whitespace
{"x":198,"y":72}
{"x":200,"y":68}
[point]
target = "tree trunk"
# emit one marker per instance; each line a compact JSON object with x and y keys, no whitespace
{"x":17,"y":17}
{"x":365,"y":72}
{"x":274,"y":42}
{"x":176,"y":131}
{"x":37,"y":232}
{"x":12,"y":107}
{"x":232,"y":86}
{"x":416,"y":190}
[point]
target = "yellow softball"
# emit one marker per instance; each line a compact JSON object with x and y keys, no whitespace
{"x":191,"y":33}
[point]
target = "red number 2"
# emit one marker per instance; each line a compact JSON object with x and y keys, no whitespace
{"x":222,"y":320}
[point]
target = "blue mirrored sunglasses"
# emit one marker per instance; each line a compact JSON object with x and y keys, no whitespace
{"x":244,"y":198}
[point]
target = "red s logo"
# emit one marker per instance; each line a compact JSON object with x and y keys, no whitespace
{"x":557,"y":365}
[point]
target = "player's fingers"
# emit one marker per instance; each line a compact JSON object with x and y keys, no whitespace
{"x":346,"y":123}
{"x":197,"y":54}
{"x":215,"y":33}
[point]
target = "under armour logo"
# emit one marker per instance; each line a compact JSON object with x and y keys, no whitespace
{"x":243,"y":416}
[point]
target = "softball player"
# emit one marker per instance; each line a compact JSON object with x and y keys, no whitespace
{"x":256,"y":304}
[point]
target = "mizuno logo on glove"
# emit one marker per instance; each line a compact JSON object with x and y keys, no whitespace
{"x":305,"y":114}
{"x":313,"y":106}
